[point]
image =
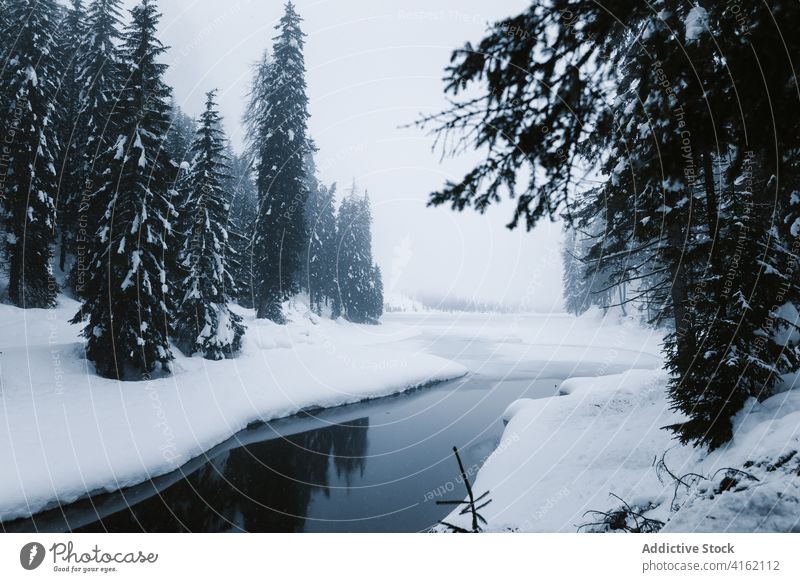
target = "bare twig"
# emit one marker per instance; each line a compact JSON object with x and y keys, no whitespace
{"x":470,"y":506}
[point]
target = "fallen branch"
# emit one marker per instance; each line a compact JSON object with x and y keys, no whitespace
{"x":470,"y":505}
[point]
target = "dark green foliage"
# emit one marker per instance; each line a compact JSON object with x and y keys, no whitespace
{"x":100,"y":80}
{"x":585,"y":281}
{"x":179,"y":139}
{"x":360,"y":289}
{"x":278,"y":118}
{"x":28,"y":85}
{"x":204,"y":322}
{"x":320,"y":257}
{"x":241,"y":225}
{"x":666,"y":111}
{"x":69,"y":126}
{"x":127,"y":303}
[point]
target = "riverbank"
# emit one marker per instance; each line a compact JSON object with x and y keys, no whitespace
{"x":596,"y":458}
{"x":68,"y":433}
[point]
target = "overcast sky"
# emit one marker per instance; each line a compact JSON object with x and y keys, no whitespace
{"x":372,"y":67}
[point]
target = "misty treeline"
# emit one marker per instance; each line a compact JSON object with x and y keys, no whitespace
{"x":157,"y":225}
{"x":665,"y":135}
{"x":455,"y":304}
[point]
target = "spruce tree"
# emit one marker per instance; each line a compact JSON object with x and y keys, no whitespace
{"x":101,"y":78}
{"x":321,"y":250}
{"x":28,"y":86}
{"x":744,"y":344}
{"x":126,"y":303}
{"x":204,"y":322}
{"x":575,"y":284}
{"x":278,"y":122}
{"x":374,"y":303}
{"x":241,"y":224}
{"x":357,"y":277}
{"x":667,"y":133}
{"x":70,"y":127}
{"x":177,"y":149}
{"x":179,"y":138}
{"x":4,"y":41}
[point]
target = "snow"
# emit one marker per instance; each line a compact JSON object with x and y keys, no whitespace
{"x":766,"y":495}
{"x":696,"y":23}
{"x":120,"y":148}
{"x":139,"y":145}
{"x":795,"y":228}
{"x":33,"y":78}
{"x":562,"y":457}
{"x":400,"y":302}
{"x":67,"y":432}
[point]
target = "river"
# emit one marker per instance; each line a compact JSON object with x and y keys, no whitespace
{"x":377,"y":466}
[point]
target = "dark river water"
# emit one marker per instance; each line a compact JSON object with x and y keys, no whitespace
{"x":378,"y":466}
{"x":372,"y":467}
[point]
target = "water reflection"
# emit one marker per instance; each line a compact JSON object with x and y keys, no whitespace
{"x":264,"y":486}
{"x":366,"y":467}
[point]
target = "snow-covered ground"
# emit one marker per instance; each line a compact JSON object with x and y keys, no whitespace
{"x":402,"y":303}
{"x":65,"y":432}
{"x":563,"y":459}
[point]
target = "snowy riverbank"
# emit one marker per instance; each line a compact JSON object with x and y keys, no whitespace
{"x":562,"y":457}
{"x":66,"y":432}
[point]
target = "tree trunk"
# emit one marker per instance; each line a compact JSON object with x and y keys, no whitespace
{"x":62,"y":259}
{"x":679,"y":290}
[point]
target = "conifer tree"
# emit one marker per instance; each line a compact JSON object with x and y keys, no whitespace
{"x":126,"y":304}
{"x":744,"y":340}
{"x":70,"y":126}
{"x":666,"y":136}
{"x":179,"y":140}
{"x":177,"y":149}
{"x":374,"y":303}
{"x":101,"y":78}
{"x":278,"y":120}
{"x":360,"y":289}
{"x":204,"y":322}
{"x":4,"y":41}
{"x":575,"y":284}
{"x":241,"y":224}
{"x":28,"y":84}
{"x":321,"y":249}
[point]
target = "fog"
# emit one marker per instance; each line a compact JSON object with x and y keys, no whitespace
{"x":373,"y":67}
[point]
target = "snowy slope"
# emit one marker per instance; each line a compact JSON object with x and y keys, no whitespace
{"x":562,"y":458}
{"x":762,"y":492}
{"x":65,"y":432}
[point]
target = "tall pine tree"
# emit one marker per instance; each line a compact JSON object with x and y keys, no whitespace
{"x":320,"y":256}
{"x":101,"y":76}
{"x":204,"y":321}
{"x":278,"y":122}
{"x":241,"y":224}
{"x":126,"y":304}
{"x":360,"y":289}
{"x":642,"y":106}
{"x":28,"y":86}
{"x":5,"y":40}
{"x":575,"y":284}
{"x":70,"y":127}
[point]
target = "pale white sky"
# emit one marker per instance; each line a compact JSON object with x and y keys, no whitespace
{"x":373,"y":66}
